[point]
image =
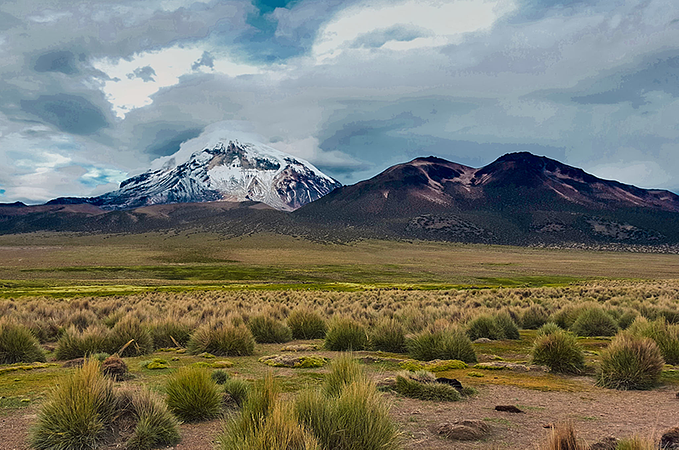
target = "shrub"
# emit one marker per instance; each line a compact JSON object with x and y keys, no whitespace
{"x":388,"y":336}
{"x":155,"y":427}
{"x":630,"y":362}
{"x":409,"y":387}
{"x":666,"y":336}
{"x":238,"y":389}
{"x":306,"y":324}
{"x":192,"y":395}
{"x":484,"y":326}
{"x":559,"y":351}
{"x":548,"y":328}
{"x":265,"y":423}
{"x":345,"y":334}
{"x":266,"y":329}
{"x":594,"y":322}
{"x":222,"y":340}
{"x":78,"y":344}
{"x":170,"y":333}
{"x":126,"y":330}
{"x":17,"y":344}
{"x":508,"y":326}
{"x":77,"y":413}
{"x":343,"y":371}
{"x":219,"y":376}
{"x":534,"y":317}
{"x":451,"y":343}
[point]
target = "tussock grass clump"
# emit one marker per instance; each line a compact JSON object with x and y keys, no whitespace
{"x":534,"y":317}
{"x":560,"y":351}
{"x":485,"y":326}
{"x":306,"y":324}
{"x":126,"y":330}
{"x":222,"y":340}
{"x":563,"y":437}
{"x":238,"y":389}
{"x":267,"y":330}
{"x":630,"y":362}
{"x":508,"y":325}
{"x":77,"y":413}
{"x":416,"y":386}
{"x":388,"y":336}
{"x":666,"y":336}
{"x":548,"y":328}
{"x":594,"y":322}
{"x":450,"y":343}
{"x":345,"y":334}
{"x":637,"y":443}
{"x":78,"y":344}
{"x":192,"y":395}
{"x":156,"y":426}
{"x":627,"y":318}
{"x":219,"y":376}
{"x":17,"y":344}
{"x":170,"y":332}
{"x":343,"y":371}
{"x":265,"y":423}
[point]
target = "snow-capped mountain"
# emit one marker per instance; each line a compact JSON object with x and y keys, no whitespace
{"x":222,"y":169}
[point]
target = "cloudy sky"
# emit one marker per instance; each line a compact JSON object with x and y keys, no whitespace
{"x":93,"y":91}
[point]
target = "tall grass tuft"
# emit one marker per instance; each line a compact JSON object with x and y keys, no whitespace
{"x":594,"y":322}
{"x":343,"y":371}
{"x":306,"y":324}
{"x":666,"y":336}
{"x":637,"y":443}
{"x":450,"y":343}
{"x":413,"y":388}
{"x":267,"y":330}
{"x":388,"y":336}
{"x":155,"y":427}
{"x":192,"y":395}
{"x":238,"y":389}
{"x":560,"y":351}
{"x":17,"y":344}
{"x":222,"y":340}
{"x":508,"y":326}
{"x":126,"y":330}
{"x":78,"y":344}
{"x":485,"y":326}
{"x":77,"y":413}
{"x":534,"y":317}
{"x":170,"y":332}
{"x":630,"y":362}
{"x":563,"y":437}
{"x":345,"y":334}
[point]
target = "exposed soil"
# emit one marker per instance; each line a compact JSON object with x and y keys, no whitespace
{"x":596,"y":413}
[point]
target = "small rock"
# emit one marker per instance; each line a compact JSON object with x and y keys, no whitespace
{"x":670,"y":440}
{"x":114,"y":367}
{"x":300,"y":348}
{"x":508,"y":408}
{"x":464,"y":430}
{"x":482,"y":341}
{"x":294,"y":361}
{"x":609,"y":443}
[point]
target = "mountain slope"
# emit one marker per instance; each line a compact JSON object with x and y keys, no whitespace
{"x":222,"y":170}
{"x":519,"y":198}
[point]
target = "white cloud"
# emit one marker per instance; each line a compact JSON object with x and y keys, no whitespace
{"x":439,"y":22}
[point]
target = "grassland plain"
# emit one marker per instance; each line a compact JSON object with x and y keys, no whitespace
{"x":56,"y":284}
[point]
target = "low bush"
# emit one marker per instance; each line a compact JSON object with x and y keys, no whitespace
{"x":345,"y":334}
{"x":169,"y":333}
{"x":425,"y":390}
{"x":238,"y":389}
{"x":192,"y":395}
{"x":534,"y":317}
{"x":630,"y":362}
{"x":451,"y":343}
{"x":155,"y":425}
{"x":559,"y":351}
{"x":78,"y":344}
{"x":222,"y":340}
{"x":126,"y":330}
{"x":17,"y":344}
{"x":267,"y":330}
{"x":666,"y":336}
{"x":388,"y":336}
{"x":594,"y":322}
{"x":77,"y":413}
{"x":306,"y":324}
{"x":485,"y":326}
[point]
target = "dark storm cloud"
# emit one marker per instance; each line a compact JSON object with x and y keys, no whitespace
{"x":70,"y":113}
{"x":167,"y":139}
{"x":58,"y":61}
{"x":206,"y":60}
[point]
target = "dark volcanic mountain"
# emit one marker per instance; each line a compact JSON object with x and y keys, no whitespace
{"x":519,"y":198}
